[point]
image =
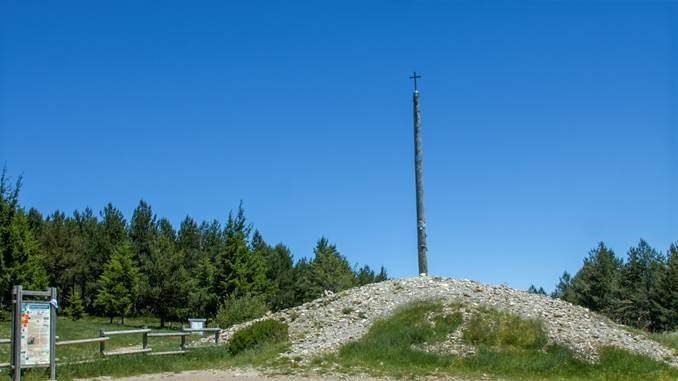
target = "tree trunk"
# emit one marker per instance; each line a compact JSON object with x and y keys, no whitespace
{"x":111,"y":319}
{"x":122,"y":320}
{"x":162,"y":321}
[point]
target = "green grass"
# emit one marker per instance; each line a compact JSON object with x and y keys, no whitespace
{"x":196,"y":358}
{"x":499,"y":329}
{"x":387,"y":350}
{"x":388,"y":343}
{"x":669,"y":339}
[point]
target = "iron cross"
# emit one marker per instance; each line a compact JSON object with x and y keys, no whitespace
{"x":415,"y":76}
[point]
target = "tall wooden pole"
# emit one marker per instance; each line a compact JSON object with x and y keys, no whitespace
{"x":419,"y":179}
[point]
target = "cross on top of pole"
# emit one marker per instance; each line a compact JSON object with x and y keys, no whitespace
{"x":415,"y":76}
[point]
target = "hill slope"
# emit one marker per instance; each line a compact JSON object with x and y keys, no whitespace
{"x":333,"y":320}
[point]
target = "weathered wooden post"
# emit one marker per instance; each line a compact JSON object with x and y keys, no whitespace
{"x":102,"y":343}
{"x":144,"y":338}
{"x":419,"y":179}
{"x":52,"y":336}
{"x":16,"y":332}
{"x":183,"y":340}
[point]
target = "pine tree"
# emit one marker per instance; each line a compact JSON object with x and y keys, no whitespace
{"x":664,"y":295}
{"x":563,"y":289}
{"x":61,"y":250}
{"x":119,"y":284}
{"x":203,"y":298}
{"x":20,"y":260}
{"x":639,"y":276}
{"x":238,"y":271}
{"x":279,"y":271}
{"x":142,"y":231}
{"x":366,"y":275}
{"x":596,"y":284}
{"x":76,"y":308}
{"x":167,"y":282}
{"x":328,"y":270}
{"x":188,"y":241}
{"x":538,"y":291}
{"x":382,"y":276}
{"x":94,"y":255}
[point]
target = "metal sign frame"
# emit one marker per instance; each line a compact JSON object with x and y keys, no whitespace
{"x":18,"y":294}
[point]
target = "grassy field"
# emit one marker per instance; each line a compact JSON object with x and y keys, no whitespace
{"x":387,"y":350}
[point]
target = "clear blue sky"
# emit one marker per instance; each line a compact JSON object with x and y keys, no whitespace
{"x":548,"y":126}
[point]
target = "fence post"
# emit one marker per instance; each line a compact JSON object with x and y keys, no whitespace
{"x":216,"y":337}
{"x":145,"y":338}
{"x":52,"y":336}
{"x":102,"y":343}
{"x":183,"y":340}
{"x":16,"y":340}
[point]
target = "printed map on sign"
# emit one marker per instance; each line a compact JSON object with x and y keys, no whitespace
{"x":35,"y":333}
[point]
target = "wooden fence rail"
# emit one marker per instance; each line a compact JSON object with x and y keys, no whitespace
{"x":82,"y":341}
{"x":216,"y":332}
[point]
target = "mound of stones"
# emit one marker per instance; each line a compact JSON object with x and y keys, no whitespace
{"x":325,"y":324}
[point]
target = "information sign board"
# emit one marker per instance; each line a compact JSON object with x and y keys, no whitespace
{"x":197,"y":324}
{"x":35,"y":333}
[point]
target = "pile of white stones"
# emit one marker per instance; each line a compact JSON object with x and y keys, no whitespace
{"x":325,"y":324}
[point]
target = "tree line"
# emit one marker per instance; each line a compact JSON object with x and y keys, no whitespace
{"x":104,"y":265}
{"x":640,"y":291}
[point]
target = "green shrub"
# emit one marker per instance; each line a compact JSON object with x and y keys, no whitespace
{"x":261,"y":332}
{"x":501,"y":329}
{"x":240,"y":309}
{"x":76,"y":308}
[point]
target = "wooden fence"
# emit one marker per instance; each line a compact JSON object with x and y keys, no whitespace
{"x":145,"y":333}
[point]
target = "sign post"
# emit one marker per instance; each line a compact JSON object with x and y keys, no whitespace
{"x":34,"y":331}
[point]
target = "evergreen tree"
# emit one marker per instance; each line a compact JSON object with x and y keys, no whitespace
{"x":119,"y":284}
{"x":596,"y":284}
{"x":279,"y":271}
{"x":382,"y":276}
{"x":538,"y":291}
{"x":238,"y":271}
{"x":203,"y":299}
{"x":76,"y":308}
{"x":639,"y":276}
{"x":142,"y":231}
{"x":20,"y":260}
{"x":61,"y":249}
{"x":564,"y":288}
{"x":188,"y":241}
{"x":35,"y":222}
{"x":328,"y":270}
{"x":94,"y":255}
{"x":664,"y":295}
{"x":167,"y":282}
{"x":366,"y":275}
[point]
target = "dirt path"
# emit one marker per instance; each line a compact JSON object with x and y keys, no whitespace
{"x":229,"y":375}
{"x":254,"y":375}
